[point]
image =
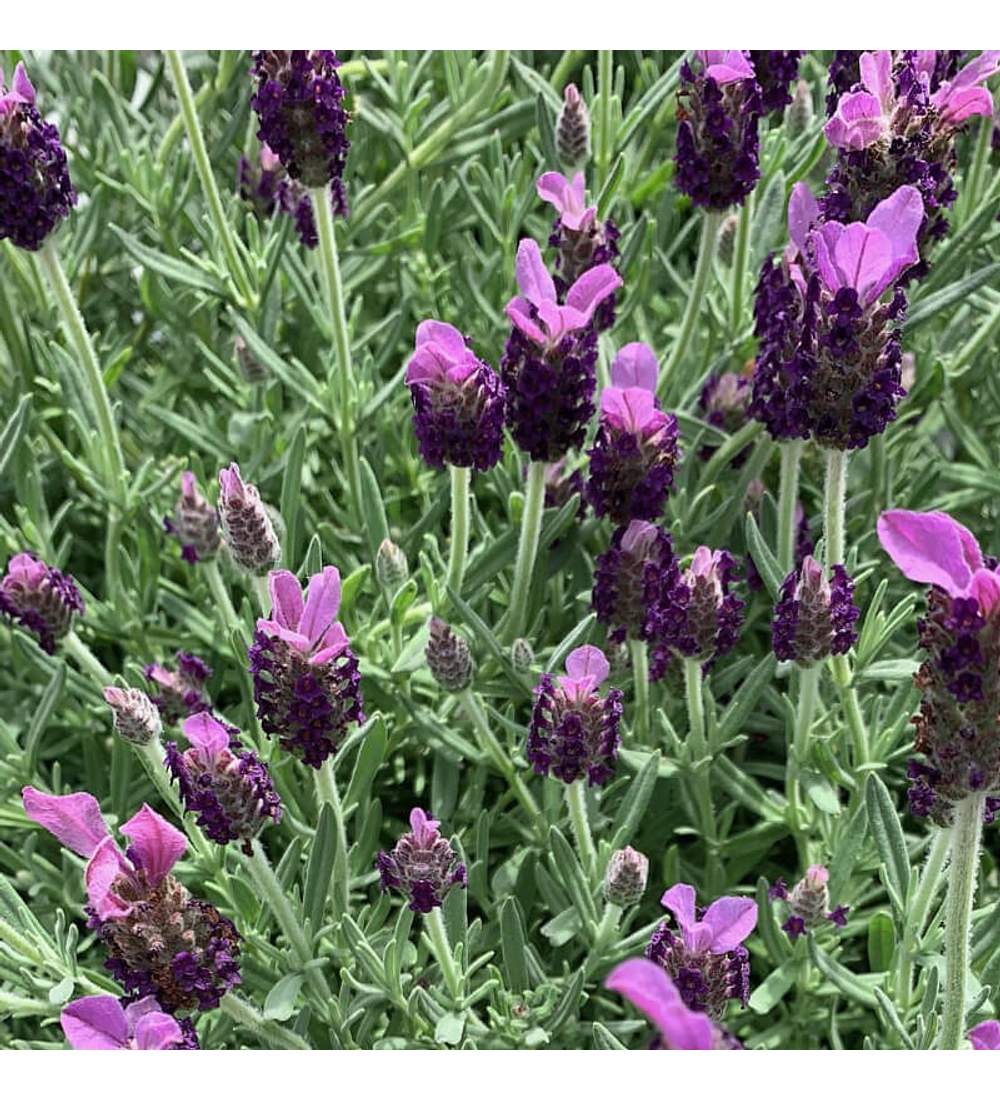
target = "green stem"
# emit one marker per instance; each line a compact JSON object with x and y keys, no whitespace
{"x":501,"y":761}
{"x":576,"y":803}
{"x":527,"y":549}
{"x":919,"y":912}
{"x":701,"y":780}
{"x":82,"y":654}
{"x":788,"y":496}
{"x":459,"y":546}
{"x":843,"y":677}
{"x":434,"y":924}
{"x":699,"y":285}
{"x":835,"y":493}
{"x":975,"y":174}
{"x":566,"y":65}
{"x":203,"y":166}
{"x":962,"y":875}
{"x":695,"y":706}
{"x":326,"y":790}
{"x":220,"y":593}
{"x":262,"y":592}
{"x":242,"y":1012}
{"x":605,"y":79}
{"x":640,"y":680}
{"x":740,"y":250}
{"x":795,"y":763}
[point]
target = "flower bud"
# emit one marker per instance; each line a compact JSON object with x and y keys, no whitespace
{"x":625,"y":877}
{"x":799,"y":116}
{"x":448,"y":657}
{"x":246,"y":525}
{"x":573,"y":129}
{"x":136,"y":717}
{"x":814,"y":617}
{"x":522,"y":656}
{"x":252,"y":369}
{"x":195,"y":523}
{"x":726,"y":239}
{"x":391,"y":566}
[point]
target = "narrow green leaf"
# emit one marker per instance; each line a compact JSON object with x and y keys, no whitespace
{"x":764,"y":559}
{"x":841,"y":977}
{"x":291,"y":489}
{"x":322,"y":854}
{"x":635,"y":802}
{"x":280,"y":1002}
{"x":376,"y":527}
{"x":881,"y":941}
{"x":774,"y":987}
{"x":888,"y":835}
{"x":513,"y":946}
{"x":450,"y":1029}
{"x":13,"y":431}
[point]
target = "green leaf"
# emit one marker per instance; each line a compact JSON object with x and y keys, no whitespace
{"x":174,"y":271}
{"x":291,"y":490}
{"x":61,"y":992}
{"x":569,"y":1003}
{"x":546,"y":131}
{"x":322,"y":854}
{"x":888,"y":835}
{"x":774,"y":987}
{"x":611,"y":186}
{"x":848,"y":984}
{"x":450,"y":1029}
{"x":370,"y":757}
{"x":13,"y":431}
{"x":43,"y":712}
{"x":881,"y":941}
{"x":635,"y":802}
{"x":280,"y":1001}
{"x":604,"y":1040}
{"x":846,"y":851}
{"x":376,"y":527}
{"x":888,"y":1011}
{"x":513,"y":947}
{"x":766,"y":562}
{"x":562,"y":928}
{"x":821,"y":793}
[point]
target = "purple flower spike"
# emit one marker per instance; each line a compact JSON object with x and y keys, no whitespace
{"x":814,"y":617}
{"x":225,"y":785}
{"x":457,"y":400}
{"x":719,"y":105}
{"x":246,"y":526}
{"x":423,"y":865}
{"x":306,"y":680}
{"x":707,"y":961}
{"x":655,"y":995}
{"x":181,"y":692}
{"x":631,"y":579}
{"x":195,"y":523}
{"x":574,"y":730}
{"x":258,"y":182}
{"x":100,"y":1023}
{"x":299,"y":102}
{"x":39,"y":598}
{"x":633,"y":459}
{"x":35,"y":189}
{"x":985,"y":1036}
{"x":776,"y":71}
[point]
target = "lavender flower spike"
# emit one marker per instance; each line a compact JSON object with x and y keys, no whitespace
{"x":423,"y":865}
{"x":35,"y":189}
{"x":246,"y":526}
{"x":39,"y":598}
{"x":181,"y":692}
{"x":574,"y":730}
{"x":631,"y":578}
{"x":814,"y":617}
{"x":195,"y":523}
{"x":100,"y":1023}
{"x":306,"y":680}
{"x":457,"y":400}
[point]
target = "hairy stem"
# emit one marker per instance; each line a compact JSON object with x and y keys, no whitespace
{"x":576,"y":803}
{"x":494,"y":750}
{"x":640,"y":680}
{"x":459,"y":538}
{"x":527,"y":549}
{"x":438,"y":935}
{"x":788,"y":496}
{"x":740,"y":250}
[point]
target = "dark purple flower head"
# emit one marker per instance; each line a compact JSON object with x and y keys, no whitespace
{"x":706,"y":960}
{"x":776,"y":71}
{"x":448,"y":657}
{"x":39,"y":598}
{"x":423,"y":865}
{"x":299,"y":102}
{"x":181,"y":692}
{"x":625,"y":877}
{"x":102,"y":1023}
{"x":574,"y":730}
{"x":195,"y":523}
{"x":35,"y":189}
{"x":814,"y":617}
{"x":718,"y":110}
{"x":246,"y":526}
{"x":306,"y":680}
{"x":457,"y":400}
{"x":549,"y":361}
{"x":573,"y":128}
{"x":633,"y":459}
{"x":136,"y":716}
{"x":631,"y":580}
{"x":227,"y":787}
{"x":258,"y":181}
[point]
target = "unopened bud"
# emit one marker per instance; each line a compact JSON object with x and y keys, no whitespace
{"x":799,"y":114}
{"x":573,"y":129}
{"x":252,"y":369}
{"x":391,"y":566}
{"x":727,"y":239}
{"x":625,"y":878}
{"x":522,"y":656}
{"x":809,"y":899}
{"x":246,"y":524}
{"x":448,"y":657}
{"x":136,"y":717}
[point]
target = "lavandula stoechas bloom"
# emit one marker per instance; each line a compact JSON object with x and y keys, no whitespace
{"x":457,"y":400}
{"x":306,"y":681}
{"x":631,"y":579}
{"x":195,"y":523}
{"x":225,"y":785}
{"x":699,"y":617}
{"x":423,"y":865}
{"x":958,"y":728}
{"x":717,"y":143}
{"x":136,"y":717}
{"x":574,"y":729}
{"x":39,"y":598}
{"x":625,"y":877}
{"x":36,"y":192}
{"x":299,"y":102}
{"x":814,"y":617}
{"x":808,"y":902}
{"x":573,"y":128}
{"x":101,"y":1023}
{"x":160,"y":940}
{"x":705,"y":957}
{"x":550,"y":357}
{"x":246,"y":526}
{"x":181,"y":691}
{"x":448,"y":657}
{"x":776,"y":71}
{"x":634,"y":455}
{"x":829,"y":319}
{"x":657,"y":997}
{"x":580,"y":240}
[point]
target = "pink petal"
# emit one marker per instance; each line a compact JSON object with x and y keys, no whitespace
{"x":650,"y":989}
{"x":631,"y":409}
{"x":439,"y":332}
{"x":22,"y":86}
{"x":639,"y":537}
{"x":979,"y":69}
{"x":424,"y":826}
{"x":269,"y":159}
{"x":424,"y":365}
{"x":286,"y":598}
{"x":635,"y":365}
{"x":593,"y":286}
{"x":725,"y":66}
{"x":858,"y":123}
{"x":863,"y":258}
{"x":588,"y":660}
{"x":803,"y":213}
{"x":322,"y":603}
{"x":876,"y":75}
{"x":206,"y":733}
{"x":157,"y":1031}
{"x":679,"y":900}
{"x":533,"y":278}
{"x":824,"y":240}
{"x":731,"y":921}
{"x":73,"y":819}
{"x":899,"y":217}
{"x":137,"y":1009}
{"x":929,"y":547}
{"x":518,"y":310}
{"x":552,"y":188}
{"x":985,"y":1036}
{"x":155,"y":842}
{"x":95,"y":1023}
{"x":985,"y":587}
{"x":963,"y":103}
{"x":106,"y":866}
{"x":335,"y":641}
{"x":230,"y":482}
{"x":292,"y":637}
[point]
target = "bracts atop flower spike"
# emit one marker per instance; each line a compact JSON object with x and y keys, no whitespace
{"x":457,"y":400}
{"x":548,"y":365}
{"x":808,"y":902}
{"x":423,"y":865}
{"x":160,"y":940}
{"x":574,"y":730}
{"x":306,"y":680}
{"x":246,"y":526}
{"x":181,"y":692}
{"x":630,"y":580}
{"x":814,"y":617}
{"x":195,"y":523}
{"x":39,"y":598}
{"x":958,"y":727}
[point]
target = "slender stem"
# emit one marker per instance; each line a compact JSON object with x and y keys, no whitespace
{"x":262,"y":592}
{"x":501,"y":761}
{"x":605,"y":77}
{"x":805,"y":710}
{"x":603,"y":935}
{"x":699,"y":285}
{"x":220,"y":593}
{"x":459,"y":547}
{"x":788,"y":496}
{"x":326,"y":790}
{"x":203,"y":166}
{"x":434,"y":924}
{"x":916,"y":922}
{"x":82,"y":654}
{"x":962,"y":875}
{"x":701,"y":780}
{"x":640,"y":680}
{"x":242,"y":1012}
{"x":835,"y":493}
{"x":527,"y":550}
{"x":273,"y":893}
{"x":740,"y":250}
{"x":842,"y":676}
{"x":695,"y":706}
{"x":576,"y":803}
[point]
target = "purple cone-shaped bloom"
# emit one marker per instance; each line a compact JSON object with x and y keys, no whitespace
{"x":574,"y":729}
{"x":549,"y":361}
{"x":985,"y":1036}
{"x":181,"y":691}
{"x":632,"y":578}
{"x":39,"y":598}
{"x":423,"y":865}
{"x":246,"y":526}
{"x":306,"y":680}
{"x":35,"y":189}
{"x":704,"y":955}
{"x":225,"y":785}
{"x":719,"y":105}
{"x":457,"y":400}
{"x":634,"y":455}
{"x":101,"y":1023}
{"x":814,"y":617}
{"x":776,"y":71}
{"x":299,"y":102}
{"x":195,"y":523}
